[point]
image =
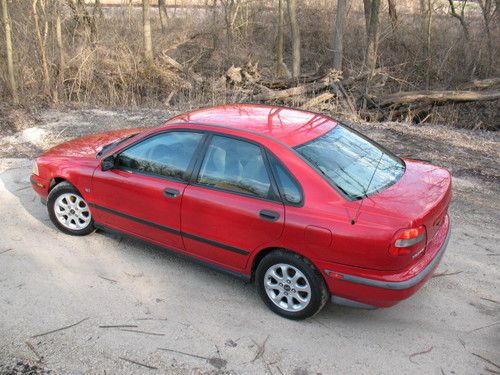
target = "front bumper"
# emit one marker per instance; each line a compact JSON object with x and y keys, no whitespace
{"x":370,"y":290}
{"x":40,"y":185}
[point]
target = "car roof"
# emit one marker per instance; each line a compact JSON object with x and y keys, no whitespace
{"x":290,"y":126}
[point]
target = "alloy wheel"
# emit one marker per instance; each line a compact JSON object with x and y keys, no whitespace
{"x":72,"y":211}
{"x":287,"y":287}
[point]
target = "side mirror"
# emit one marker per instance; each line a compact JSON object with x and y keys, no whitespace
{"x":108,"y":163}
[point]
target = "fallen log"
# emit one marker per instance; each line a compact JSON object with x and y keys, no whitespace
{"x":287,"y":83}
{"x":170,"y":61}
{"x":293,"y":91}
{"x":330,"y":80}
{"x":435,"y":97}
{"x":321,"y":98}
{"x":485,"y":83}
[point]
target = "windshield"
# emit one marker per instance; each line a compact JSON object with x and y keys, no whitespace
{"x":113,"y":145}
{"x":354,"y":164}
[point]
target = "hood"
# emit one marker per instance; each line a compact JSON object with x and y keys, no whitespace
{"x":89,"y":145}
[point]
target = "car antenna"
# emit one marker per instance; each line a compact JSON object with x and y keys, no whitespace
{"x":355,"y":218}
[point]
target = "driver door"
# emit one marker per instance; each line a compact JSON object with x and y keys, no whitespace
{"x":142,"y":195}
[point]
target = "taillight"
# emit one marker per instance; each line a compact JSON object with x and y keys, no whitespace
{"x":409,"y":241}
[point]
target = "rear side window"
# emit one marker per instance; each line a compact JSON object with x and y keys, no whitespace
{"x":235,"y":165}
{"x":289,"y":187}
{"x":167,"y":154}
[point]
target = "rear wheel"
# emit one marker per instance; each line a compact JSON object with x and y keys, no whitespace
{"x":290,"y":285}
{"x":68,"y":211}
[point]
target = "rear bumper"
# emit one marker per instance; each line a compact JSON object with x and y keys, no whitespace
{"x":352,"y":288}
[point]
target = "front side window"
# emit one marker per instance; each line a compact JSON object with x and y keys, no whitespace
{"x":356,"y":165}
{"x":167,"y":154}
{"x":235,"y":165}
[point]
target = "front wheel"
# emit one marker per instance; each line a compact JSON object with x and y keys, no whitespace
{"x":68,"y":211}
{"x":290,"y":285}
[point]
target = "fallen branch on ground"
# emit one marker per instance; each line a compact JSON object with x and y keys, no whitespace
{"x":261,"y":349}
{"x":486,"y":360}
{"x":143,"y":332}
{"x":419,"y":353}
{"x":110,"y":280}
{"x":138,"y":363}
{"x":489,"y":325}
{"x":446,"y":273}
{"x":490,"y":300}
{"x":59,"y":329}
{"x":32,"y":348}
{"x":120,"y":326}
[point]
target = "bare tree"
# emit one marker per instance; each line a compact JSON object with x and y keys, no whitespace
{"x":60,"y":48}
{"x":8,"y":47}
{"x":162,"y":11}
{"x":427,"y":24}
{"x":461,"y":17}
{"x":295,"y":31}
{"x":338,"y":34}
{"x":231,"y":9}
{"x":393,"y":14}
{"x":488,"y":11}
{"x":146,"y":27}
{"x":372,"y":36}
{"x":281,"y":68}
{"x":42,"y":41}
{"x":83,"y":18}
{"x":367,"y":4}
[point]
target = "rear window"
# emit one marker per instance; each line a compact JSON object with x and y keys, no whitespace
{"x":356,"y":165}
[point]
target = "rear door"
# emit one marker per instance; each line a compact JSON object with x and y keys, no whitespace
{"x":232,"y":206}
{"x":143,"y":194}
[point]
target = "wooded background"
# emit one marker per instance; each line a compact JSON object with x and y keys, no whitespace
{"x":416,"y":61}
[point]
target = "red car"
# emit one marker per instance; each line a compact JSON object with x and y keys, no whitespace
{"x":308,"y":208}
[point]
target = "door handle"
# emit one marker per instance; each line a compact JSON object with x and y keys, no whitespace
{"x":269,"y":215}
{"x":171,"y":193}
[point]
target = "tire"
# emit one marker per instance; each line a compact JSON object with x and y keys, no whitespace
{"x":300,"y":295}
{"x":68,"y":211}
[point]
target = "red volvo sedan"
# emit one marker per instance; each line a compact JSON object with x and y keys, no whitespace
{"x":308,"y":208}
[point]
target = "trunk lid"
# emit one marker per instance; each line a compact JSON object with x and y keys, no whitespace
{"x":421,"y":197}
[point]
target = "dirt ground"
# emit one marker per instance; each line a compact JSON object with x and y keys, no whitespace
{"x":180,"y":318}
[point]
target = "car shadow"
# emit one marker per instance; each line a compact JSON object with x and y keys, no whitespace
{"x":16,"y":181}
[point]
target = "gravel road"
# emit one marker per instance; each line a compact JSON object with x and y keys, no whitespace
{"x":173,"y":316}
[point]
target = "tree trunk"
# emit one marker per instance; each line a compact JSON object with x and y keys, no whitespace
{"x":372,"y":36}
{"x":393,"y":14}
{"x":281,"y":69}
{"x":42,"y":40}
{"x":146,"y":26}
{"x":427,"y":45}
{"x":9,"y":51}
{"x":295,"y":31}
{"x":162,"y":11}
{"x":461,"y":18}
{"x":215,"y":37}
{"x":338,"y":35}
{"x":60,"y":48}
{"x":486,"y":10}
{"x":367,"y":6}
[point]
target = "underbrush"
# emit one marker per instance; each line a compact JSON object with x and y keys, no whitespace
{"x":105,"y":66}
